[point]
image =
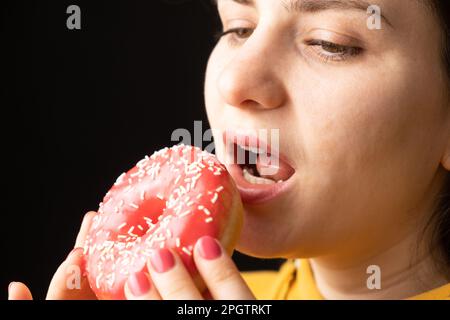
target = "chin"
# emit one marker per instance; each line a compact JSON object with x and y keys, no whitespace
{"x":259,"y":240}
{"x":262,"y":237}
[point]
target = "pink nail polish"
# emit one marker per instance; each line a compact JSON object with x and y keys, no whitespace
{"x":9,"y":286}
{"x":162,"y":260}
{"x":209,"y":248}
{"x":138,"y":284}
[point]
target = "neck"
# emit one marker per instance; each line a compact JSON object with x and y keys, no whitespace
{"x":394,"y":269}
{"x":403,"y":268}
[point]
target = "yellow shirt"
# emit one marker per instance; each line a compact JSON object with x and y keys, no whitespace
{"x":291,"y":283}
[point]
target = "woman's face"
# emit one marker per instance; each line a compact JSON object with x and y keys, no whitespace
{"x":362,"y":117}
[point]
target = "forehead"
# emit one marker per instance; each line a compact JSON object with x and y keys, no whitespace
{"x":403,"y":13}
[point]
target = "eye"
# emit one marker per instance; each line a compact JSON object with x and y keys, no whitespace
{"x":236,"y":34}
{"x":332,"y":51}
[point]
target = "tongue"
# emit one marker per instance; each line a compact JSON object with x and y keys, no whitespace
{"x":273,"y":168}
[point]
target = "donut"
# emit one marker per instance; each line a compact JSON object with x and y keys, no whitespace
{"x":170,"y":199}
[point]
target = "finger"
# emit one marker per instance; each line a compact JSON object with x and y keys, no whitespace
{"x":69,"y":282}
{"x":170,"y":277}
{"x":19,"y":291}
{"x":139,"y":287}
{"x":219,"y":272}
{"x":84,"y":229}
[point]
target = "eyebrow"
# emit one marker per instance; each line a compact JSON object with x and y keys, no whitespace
{"x":318,"y":5}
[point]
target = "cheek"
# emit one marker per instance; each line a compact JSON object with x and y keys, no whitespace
{"x":353,"y":123}
{"x":363,"y":137}
{"x":213,"y":101}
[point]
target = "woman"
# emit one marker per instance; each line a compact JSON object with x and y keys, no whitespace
{"x":364,"y":123}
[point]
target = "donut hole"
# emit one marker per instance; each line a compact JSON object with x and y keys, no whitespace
{"x":143,"y":218}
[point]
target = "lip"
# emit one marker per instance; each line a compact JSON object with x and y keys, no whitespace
{"x":255,"y":193}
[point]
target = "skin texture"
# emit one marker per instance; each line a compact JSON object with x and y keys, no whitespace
{"x":368,"y":136}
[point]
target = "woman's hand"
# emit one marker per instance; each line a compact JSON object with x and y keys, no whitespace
{"x":64,"y":285}
{"x":170,"y":280}
{"x":168,"y":277}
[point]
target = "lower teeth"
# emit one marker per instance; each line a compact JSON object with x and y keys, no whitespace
{"x":256,"y":180}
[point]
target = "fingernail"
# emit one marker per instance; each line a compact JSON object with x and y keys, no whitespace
{"x":162,"y":260}
{"x":209,"y":248}
{"x":139,"y":284}
{"x":9,"y":286}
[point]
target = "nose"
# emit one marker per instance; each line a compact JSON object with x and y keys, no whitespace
{"x":252,"y":79}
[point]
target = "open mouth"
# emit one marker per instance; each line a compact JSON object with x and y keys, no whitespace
{"x":259,"y":166}
{"x":260,"y":171}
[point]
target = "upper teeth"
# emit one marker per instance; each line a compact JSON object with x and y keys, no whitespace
{"x":253,"y":149}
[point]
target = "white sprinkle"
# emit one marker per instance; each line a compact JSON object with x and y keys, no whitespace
{"x":177,"y":242}
{"x":121,"y":203}
{"x":208,"y":220}
{"x":134,"y":174}
{"x":206,"y":211}
{"x":122,"y":225}
{"x":97,"y":280}
{"x":129,"y":188}
{"x":177,"y":179}
{"x":143,"y":195}
{"x":186,"y":250}
{"x":219,"y":189}
{"x":142,"y":162}
{"x":160,"y":237}
{"x":185,"y":213}
{"x":130,"y":230}
{"x":140,"y":227}
{"x":200,"y":207}
{"x":214,"y":198}
{"x":190,"y":203}
{"x":199,"y":196}
{"x":134,"y":205}
{"x":111,"y":279}
{"x":120,"y":178}
{"x":169,"y":233}
{"x":159,"y":196}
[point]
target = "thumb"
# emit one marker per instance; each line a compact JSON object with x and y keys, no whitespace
{"x":69,"y":281}
{"x":19,"y":291}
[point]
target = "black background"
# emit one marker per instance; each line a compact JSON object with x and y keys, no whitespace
{"x":81,"y":106}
